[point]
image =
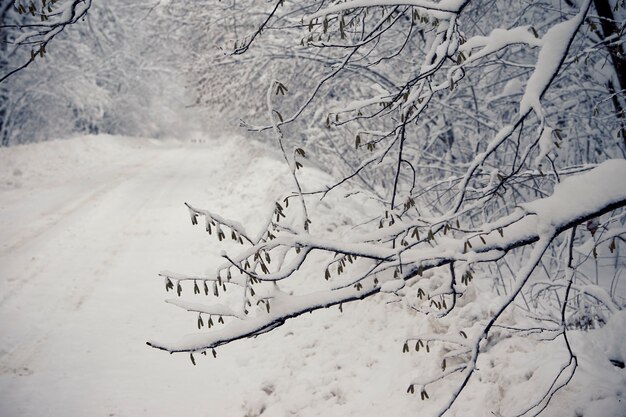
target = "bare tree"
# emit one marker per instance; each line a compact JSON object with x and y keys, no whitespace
{"x":485,"y":135}
{"x":48,"y":20}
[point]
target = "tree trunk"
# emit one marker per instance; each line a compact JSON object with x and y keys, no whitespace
{"x":609,"y":28}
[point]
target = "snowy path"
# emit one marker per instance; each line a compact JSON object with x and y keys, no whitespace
{"x":82,"y":246}
{"x":79,"y":259}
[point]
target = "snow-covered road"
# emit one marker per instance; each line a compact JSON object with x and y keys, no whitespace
{"x":79,"y":258}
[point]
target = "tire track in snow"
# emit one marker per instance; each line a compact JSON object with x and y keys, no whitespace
{"x":119,"y":202}
{"x":63,"y":216}
{"x":128,"y":207}
{"x":133,"y":206}
{"x":64,"y":211}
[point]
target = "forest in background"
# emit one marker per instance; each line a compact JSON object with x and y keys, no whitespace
{"x":482,"y":140}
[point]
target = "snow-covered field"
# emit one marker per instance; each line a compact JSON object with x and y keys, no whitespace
{"x":87,"y":224}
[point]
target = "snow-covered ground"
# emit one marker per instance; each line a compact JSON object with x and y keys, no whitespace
{"x":87,"y":224}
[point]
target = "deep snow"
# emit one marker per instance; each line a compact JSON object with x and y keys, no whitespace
{"x":89,"y":222}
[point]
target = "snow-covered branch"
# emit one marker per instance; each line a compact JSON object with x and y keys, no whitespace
{"x":575,"y":201}
{"x":462,"y":142}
